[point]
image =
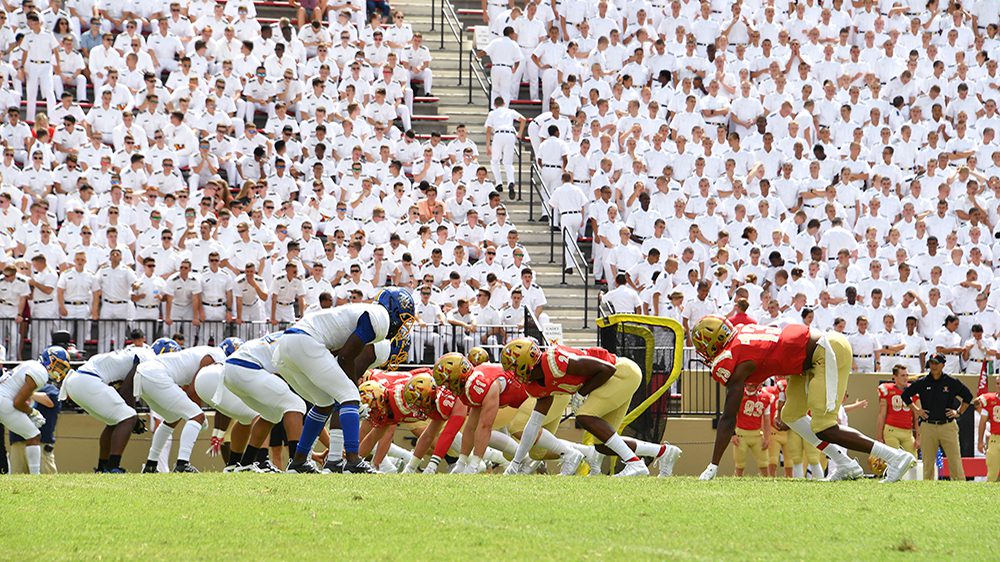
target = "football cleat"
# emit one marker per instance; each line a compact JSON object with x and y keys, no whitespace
{"x":531,"y":466}
{"x":149,"y":469}
{"x":267,"y":467}
{"x":596,"y":463}
{"x":186,"y":468}
{"x":304,"y":467}
{"x":333,"y":467}
{"x":837,"y":472}
{"x":634,"y":468}
{"x":668,"y":460}
{"x":570,"y":463}
{"x":899,"y":466}
{"x":118,"y":470}
{"x":252,"y":467}
{"x":361,"y":466}
{"x":230,"y":468}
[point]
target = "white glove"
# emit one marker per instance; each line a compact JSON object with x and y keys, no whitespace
{"x":710,"y":472}
{"x":363,"y":411}
{"x":513,"y":468}
{"x":576,"y":401}
{"x":37,"y":418}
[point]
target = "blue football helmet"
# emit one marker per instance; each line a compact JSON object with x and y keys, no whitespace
{"x":165,"y":345}
{"x":55,"y":359}
{"x":399,"y":303}
{"x":230,"y":345}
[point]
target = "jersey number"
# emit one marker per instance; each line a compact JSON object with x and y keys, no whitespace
{"x":897,"y":403}
{"x":753,"y":409}
{"x":762,"y":334}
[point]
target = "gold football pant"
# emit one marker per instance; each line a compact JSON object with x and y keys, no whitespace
{"x":899,"y":438}
{"x":750,"y":441}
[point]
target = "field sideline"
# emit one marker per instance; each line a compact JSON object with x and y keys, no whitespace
{"x":415,"y":517}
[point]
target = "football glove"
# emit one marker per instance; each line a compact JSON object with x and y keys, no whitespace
{"x":364,"y":410}
{"x":710,"y":472}
{"x":215,"y":443}
{"x":575,"y":402}
{"x":37,"y":418}
{"x":140,"y":426}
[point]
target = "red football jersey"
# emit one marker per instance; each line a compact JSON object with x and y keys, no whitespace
{"x":991,"y":409}
{"x":897,"y":414}
{"x":394,"y":411}
{"x":555,"y":361}
{"x":484,"y":377}
{"x":775,"y":351}
{"x":752,"y":409}
{"x":444,"y":403}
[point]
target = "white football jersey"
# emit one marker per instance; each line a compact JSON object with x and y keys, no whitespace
{"x":114,"y":367}
{"x":332,"y":326}
{"x":259,"y":351}
{"x":182,"y":365}
{"x":13,"y":381}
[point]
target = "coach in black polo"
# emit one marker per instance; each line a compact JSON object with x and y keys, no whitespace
{"x":943,"y":399}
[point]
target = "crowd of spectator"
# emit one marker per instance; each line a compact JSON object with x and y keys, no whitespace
{"x":192,"y":163}
{"x":833,"y":163}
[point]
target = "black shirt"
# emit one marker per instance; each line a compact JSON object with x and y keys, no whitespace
{"x":937,"y":395}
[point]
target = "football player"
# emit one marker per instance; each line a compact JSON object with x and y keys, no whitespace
{"x":321,"y":359}
{"x":779,"y":442}
{"x":753,"y":429}
{"x":607,"y":382}
{"x":164,"y":383}
{"x":895,"y":425}
{"x":989,"y":414}
{"x":16,"y":390}
{"x":394,"y":399}
{"x":813,"y":360}
{"x":90,"y":387}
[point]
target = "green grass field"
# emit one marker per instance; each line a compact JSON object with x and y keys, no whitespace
{"x":414,"y":517}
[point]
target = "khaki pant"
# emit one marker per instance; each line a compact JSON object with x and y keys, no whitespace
{"x":945,"y":436}
{"x":19,"y":462}
{"x":899,"y":438}
{"x":993,"y":459}
{"x":750,"y":441}
{"x":807,"y":393}
{"x":779,"y":445}
{"x":610,"y":401}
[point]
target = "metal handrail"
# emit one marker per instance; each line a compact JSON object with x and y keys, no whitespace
{"x":477,"y":70}
{"x":450,"y":17}
{"x":433,"y":11}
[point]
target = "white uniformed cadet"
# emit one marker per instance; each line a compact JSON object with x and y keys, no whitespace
{"x":249,"y":373}
{"x":506,"y":58}
{"x":14,"y":292}
{"x":512,"y":317}
{"x":159,"y":382}
{"x":980,"y":349}
{"x":16,"y":413}
{"x":863,"y":346}
{"x":74,"y":296}
{"x":915,"y":349}
{"x":182,"y":295}
{"x":948,"y":342}
{"x":315,"y":285}
{"x":44,"y":310}
{"x":147,"y":294}
{"x":40,"y":51}
{"x":530,"y":30}
{"x":92,"y":387}
{"x":288,"y":293}
{"x":113,"y":302}
{"x":417,"y":60}
{"x":890,"y":344}
{"x":251,"y":296}
{"x":501,"y":140}
{"x":551,"y":158}
{"x":425,"y":330}
{"x":216,"y":301}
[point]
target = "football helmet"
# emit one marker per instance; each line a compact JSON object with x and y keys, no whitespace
{"x":451,"y":370}
{"x":165,"y":345}
{"x":710,"y":336}
{"x":55,"y":359}
{"x":420,"y":392}
{"x":399,"y":352}
{"x":520,"y":356}
{"x":478,"y":356}
{"x":230,"y":345}
{"x":877,"y":465}
{"x":372,"y":393}
{"x":399,"y":303}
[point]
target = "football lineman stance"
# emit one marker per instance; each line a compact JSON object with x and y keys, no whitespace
{"x":607,"y":383}
{"x":321,"y":359}
{"x":164,"y":383}
{"x":817,"y":365}
{"x":90,"y":387}
{"x":988,"y":405}
{"x":16,"y":389}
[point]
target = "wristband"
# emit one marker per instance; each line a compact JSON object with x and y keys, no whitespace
{"x":218,"y":433}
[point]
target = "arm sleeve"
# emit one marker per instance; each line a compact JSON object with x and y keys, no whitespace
{"x":364,"y":329}
{"x":451,"y":429}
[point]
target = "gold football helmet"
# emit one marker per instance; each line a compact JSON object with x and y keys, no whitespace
{"x":520,"y":356}
{"x":710,"y":335}
{"x":877,"y":465}
{"x":420,"y":392}
{"x":451,"y":370}
{"x":478,"y":356}
{"x":372,"y":393}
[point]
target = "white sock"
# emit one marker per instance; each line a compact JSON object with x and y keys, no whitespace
{"x":33,"y":454}
{"x":883,"y":451}
{"x":400,"y":453}
{"x":552,"y":443}
{"x":413,"y":463}
{"x":503,"y":442}
{"x":621,"y":448}
{"x":494,"y":456}
{"x":803,"y":428}
{"x":816,"y":471}
{"x":188,"y":437}
{"x":647,"y":449}
{"x":336,"y":445}
{"x":160,"y":436}
{"x":797,"y":471}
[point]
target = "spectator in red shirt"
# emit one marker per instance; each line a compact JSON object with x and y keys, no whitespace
{"x":739,"y":316}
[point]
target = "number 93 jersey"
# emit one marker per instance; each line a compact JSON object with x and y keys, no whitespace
{"x":775,"y":351}
{"x":897,"y":414}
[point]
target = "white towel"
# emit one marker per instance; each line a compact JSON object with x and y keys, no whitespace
{"x":137,"y":384}
{"x":831,"y":373}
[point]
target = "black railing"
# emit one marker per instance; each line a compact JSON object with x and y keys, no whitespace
{"x":449,"y":18}
{"x":477,"y":71}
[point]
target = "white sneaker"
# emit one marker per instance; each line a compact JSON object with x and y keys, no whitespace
{"x":838,"y":472}
{"x":252,"y":467}
{"x":899,"y":466}
{"x":531,"y":466}
{"x":231,"y":468}
{"x":571,"y":462}
{"x":596,"y":463}
{"x":668,"y":460}
{"x":634,"y":468}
